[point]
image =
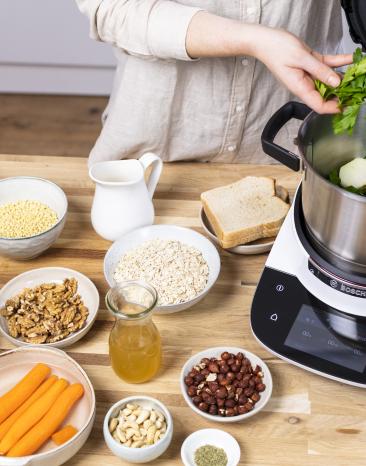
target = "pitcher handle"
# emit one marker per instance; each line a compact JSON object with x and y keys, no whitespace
{"x":151,"y":159}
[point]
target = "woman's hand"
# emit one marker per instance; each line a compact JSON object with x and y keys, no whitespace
{"x":296,"y":66}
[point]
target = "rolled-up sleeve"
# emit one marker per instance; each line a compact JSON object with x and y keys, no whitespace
{"x":141,"y":27}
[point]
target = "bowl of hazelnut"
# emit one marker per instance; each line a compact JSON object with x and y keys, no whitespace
{"x":226,"y":384}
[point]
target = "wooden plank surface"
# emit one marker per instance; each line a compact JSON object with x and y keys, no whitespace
{"x":309,"y":420}
{"x":49,"y":124}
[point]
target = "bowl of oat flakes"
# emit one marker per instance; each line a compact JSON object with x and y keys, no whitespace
{"x":49,"y":306}
{"x":181,"y":264}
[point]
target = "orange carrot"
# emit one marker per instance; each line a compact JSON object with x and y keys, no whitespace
{"x":32,"y":415}
{"x":23,"y":390}
{"x":5,"y":426}
{"x":63,"y":435}
{"x":49,"y":424}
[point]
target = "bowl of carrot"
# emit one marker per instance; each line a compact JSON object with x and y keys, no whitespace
{"x":47,"y":407}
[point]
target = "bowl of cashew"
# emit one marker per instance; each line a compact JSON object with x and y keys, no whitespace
{"x":138,"y":429}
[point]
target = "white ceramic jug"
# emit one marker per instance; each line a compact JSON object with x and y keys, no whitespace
{"x":123,"y":200}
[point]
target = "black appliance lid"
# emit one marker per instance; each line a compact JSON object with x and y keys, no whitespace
{"x":356,"y":17}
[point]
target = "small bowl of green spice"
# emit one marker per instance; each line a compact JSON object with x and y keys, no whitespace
{"x":210,"y":447}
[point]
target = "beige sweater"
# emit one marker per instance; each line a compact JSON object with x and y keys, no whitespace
{"x":208,"y":109}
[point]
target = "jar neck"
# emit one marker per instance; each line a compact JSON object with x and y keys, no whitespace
{"x":128,"y":308}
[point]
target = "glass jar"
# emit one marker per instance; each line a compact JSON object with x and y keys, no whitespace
{"x":134,"y":342}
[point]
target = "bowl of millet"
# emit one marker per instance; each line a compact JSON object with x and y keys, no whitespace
{"x":32,"y":216}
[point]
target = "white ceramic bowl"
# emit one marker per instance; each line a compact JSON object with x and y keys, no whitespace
{"x":216,"y":353}
{"x":14,"y":365}
{"x":32,"y":278}
{"x":138,"y":455}
{"x":214,"y":437}
{"x":168,"y":232}
{"x":34,"y":189}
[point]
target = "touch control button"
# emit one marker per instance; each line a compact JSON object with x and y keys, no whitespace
{"x":280,"y":287}
{"x":274,"y":317}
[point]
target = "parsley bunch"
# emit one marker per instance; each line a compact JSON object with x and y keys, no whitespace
{"x":351,"y":94}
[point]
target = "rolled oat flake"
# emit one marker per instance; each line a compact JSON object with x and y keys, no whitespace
{"x":208,"y":455}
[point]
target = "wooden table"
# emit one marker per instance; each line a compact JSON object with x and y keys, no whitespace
{"x":309,"y":421}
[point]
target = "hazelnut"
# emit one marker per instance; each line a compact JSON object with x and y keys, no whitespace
{"x":240,"y":356}
{"x":242,"y":409}
{"x":221,"y":392}
{"x":257,"y":380}
{"x":239,"y":391}
{"x":205,"y":361}
{"x":239,"y":376}
{"x":225,"y":356}
{"x":230,"y":376}
{"x":235,"y":367}
{"x":220,"y":402}
{"x":252,"y":382}
{"x":260,"y":387}
{"x":211,"y":400}
{"x":213,"y":386}
{"x":231,"y":360}
{"x":255,"y":397}
{"x":197,"y":399}
{"x":247,"y":377}
{"x":192,"y":373}
{"x":242,"y":400}
{"x":231,"y":395}
{"x":198,"y":378}
{"x":203,"y":406}
{"x":205,"y":372}
{"x":224,"y":382}
{"x":235,"y":384}
{"x":229,"y":403}
{"x":257,"y":369}
{"x":248,"y":392}
{"x":248,"y":406}
{"x":213,"y":367}
{"x":213,"y":410}
{"x":205,"y":396}
{"x":188,"y":381}
{"x":230,"y":412}
{"x":192,"y":391}
{"x":224,"y":368}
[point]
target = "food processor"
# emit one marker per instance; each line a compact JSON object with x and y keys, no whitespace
{"x":310,"y":304}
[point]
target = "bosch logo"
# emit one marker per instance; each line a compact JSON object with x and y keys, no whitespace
{"x":333,"y":283}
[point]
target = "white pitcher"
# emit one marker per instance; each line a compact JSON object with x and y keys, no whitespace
{"x":122,"y":199}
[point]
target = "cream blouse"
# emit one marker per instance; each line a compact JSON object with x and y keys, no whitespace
{"x":210,"y":109}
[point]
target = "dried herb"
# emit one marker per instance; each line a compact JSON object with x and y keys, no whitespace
{"x":208,"y":455}
{"x":351,"y":94}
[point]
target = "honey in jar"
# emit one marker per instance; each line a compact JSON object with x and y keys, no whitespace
{"x":134,"y":342}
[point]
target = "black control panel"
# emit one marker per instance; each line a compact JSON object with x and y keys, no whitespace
{"x":294,"y":324}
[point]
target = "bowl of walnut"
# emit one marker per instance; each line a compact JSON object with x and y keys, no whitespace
{"x":50,"y":306}
{"x":226,"y":384}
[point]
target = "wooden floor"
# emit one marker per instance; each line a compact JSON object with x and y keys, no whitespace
{"x":49,"y":125}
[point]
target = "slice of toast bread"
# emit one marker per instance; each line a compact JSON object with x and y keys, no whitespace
{"x":244,"y":211}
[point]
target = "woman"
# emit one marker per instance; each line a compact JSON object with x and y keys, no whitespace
{"x":200,"y":79}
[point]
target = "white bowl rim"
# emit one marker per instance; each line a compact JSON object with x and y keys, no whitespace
{"x":217,"y":418}
{"x":69,"y":337}
{"x":159,"y":226}
{"x":241,"y":247}
{"x":86,"y":424}
{"x":184,"y":447}
{"x":44,"y":180}
{"x":165,"y":410}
